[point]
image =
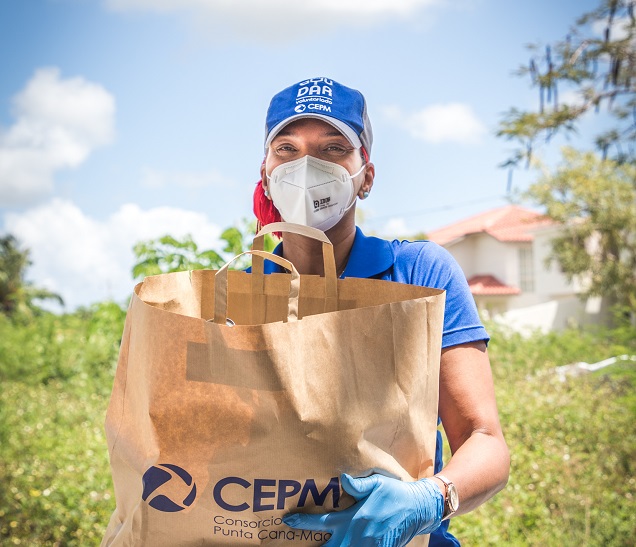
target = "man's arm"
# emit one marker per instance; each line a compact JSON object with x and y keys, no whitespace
{"x":480,"y":464}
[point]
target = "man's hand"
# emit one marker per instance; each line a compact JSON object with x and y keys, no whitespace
{"x":388,"y":513}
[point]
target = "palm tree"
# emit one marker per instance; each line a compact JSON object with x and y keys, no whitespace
{"x":17,"y":295}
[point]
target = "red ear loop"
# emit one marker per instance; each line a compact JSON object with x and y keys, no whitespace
{"x":264,"y":209}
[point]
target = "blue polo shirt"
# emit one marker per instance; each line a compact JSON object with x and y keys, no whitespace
{"x":426,"y":264}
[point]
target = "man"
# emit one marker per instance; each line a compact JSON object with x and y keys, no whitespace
{"x":318,"y":139}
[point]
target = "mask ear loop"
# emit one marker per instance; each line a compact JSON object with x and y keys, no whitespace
{"x":351,"y":177}
{"x":358,"y":172}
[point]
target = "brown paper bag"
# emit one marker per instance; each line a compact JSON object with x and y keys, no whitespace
{"x":216,"y":431}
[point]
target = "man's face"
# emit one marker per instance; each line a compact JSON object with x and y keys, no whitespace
{"x":312,"y":137}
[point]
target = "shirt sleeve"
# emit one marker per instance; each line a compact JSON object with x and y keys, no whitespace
{"x":433,"y":266}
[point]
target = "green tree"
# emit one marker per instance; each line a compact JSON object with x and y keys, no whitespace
{"x":168,"y":254}
{"x":592,"y":197}
{"x":600,"y":67}
{"x":18,"y":296}
{"x":595,"y":202}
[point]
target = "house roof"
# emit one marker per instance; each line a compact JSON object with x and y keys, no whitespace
{"x":508,"y":223}
{"x":489,"y":285}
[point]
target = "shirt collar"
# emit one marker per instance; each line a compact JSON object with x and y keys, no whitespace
{"x":370,"y":256}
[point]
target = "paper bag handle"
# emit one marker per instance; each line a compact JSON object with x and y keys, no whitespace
{"x":220,"y":286}
{"x":329,"y":261}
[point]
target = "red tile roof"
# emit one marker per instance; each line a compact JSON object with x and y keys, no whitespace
{"x":489,"y":285}
{"x":508,"y":223}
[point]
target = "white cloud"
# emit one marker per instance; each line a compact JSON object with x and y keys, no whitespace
{"x":86,"y":260}
{"x":277,"y":7}
{"x":396,"y":227}
{"x":191,"y":180}
{"x":58,"y":124}
{"x":450,"y":122}
{"x":618,"y":31}
{"x":277,"y":20}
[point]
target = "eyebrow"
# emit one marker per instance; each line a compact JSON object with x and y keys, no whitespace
{"x":289,"y":132}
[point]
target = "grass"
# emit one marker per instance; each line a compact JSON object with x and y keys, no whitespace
{"x":56,"y":377}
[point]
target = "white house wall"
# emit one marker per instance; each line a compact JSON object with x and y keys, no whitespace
{"x":550,"y":281}
{"x":555,"y":314}
{"x":497,"y":258}
{"x":464,"y":253}
{"x":481,"y":254}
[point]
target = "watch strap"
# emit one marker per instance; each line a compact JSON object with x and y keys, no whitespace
{"x":448,"y":510}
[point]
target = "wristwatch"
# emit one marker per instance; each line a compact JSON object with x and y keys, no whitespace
{"x":451,"y":499}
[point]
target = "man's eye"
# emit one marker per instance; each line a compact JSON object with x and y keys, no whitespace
{"x":285,"y":149}
{"x":335,"y":149}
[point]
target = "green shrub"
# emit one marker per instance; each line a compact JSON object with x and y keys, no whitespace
{"x":56,"y":374}
{"x":572,"y":443}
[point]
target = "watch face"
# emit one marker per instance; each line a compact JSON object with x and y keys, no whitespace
{"x":453,"y":497}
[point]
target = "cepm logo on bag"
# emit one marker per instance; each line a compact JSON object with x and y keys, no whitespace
{"x":270,"y":494}
{"x":168,"y":488}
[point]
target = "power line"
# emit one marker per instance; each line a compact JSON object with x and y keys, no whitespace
{"x":437,"y":209}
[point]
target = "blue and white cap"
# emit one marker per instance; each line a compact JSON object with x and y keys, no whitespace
{"x":327,"y":100}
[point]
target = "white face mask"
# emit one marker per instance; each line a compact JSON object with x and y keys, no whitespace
{"x":312,"y":192}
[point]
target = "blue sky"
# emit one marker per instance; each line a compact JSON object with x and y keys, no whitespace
{"x":123,"y":120}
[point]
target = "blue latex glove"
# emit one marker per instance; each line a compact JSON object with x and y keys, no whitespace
{"x":388,"y":513}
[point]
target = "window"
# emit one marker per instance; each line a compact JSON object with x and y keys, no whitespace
{"x":526,"y":270}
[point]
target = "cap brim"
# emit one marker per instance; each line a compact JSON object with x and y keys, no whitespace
{"x":347,"y":131}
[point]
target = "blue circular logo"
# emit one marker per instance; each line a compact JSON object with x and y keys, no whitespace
{"x":174,"y":478}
